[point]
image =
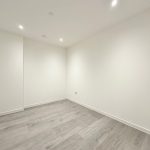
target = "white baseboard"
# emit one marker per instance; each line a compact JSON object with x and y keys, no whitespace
{"x":26,"y":107}
{"x":147,"y":131}
{"x":42,"y":103}
{"x":11,"y":112}
{"x":142,"y":129}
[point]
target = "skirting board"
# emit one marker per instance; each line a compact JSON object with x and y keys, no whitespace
{"x":31,"y":106}
{"x":11,"y":112}
{"x":142,"y":129}
{"x":40,"y":104}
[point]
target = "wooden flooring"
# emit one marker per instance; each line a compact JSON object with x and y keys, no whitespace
{"x":65,"y":125}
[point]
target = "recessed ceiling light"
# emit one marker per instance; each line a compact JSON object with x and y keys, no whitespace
{"x":114,"y":3}
{"x":21,"y":27}
{"x":61,"y":40}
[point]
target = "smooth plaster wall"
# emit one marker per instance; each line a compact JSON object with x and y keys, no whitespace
{"x":31,"y":73}
{"x":44,"y":73}
{"x":110,"y":72}
{"x":11,"y":72}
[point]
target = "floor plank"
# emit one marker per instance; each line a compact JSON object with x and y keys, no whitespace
{"x":65,"y":125}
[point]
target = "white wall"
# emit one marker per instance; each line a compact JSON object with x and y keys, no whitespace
{"x":44,"y":73}
{"x":11,"y":72}
{"x":42,"y":77}
{"x":111,"y":71}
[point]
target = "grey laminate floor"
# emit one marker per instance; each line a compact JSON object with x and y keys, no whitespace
{"x":65,"y":125}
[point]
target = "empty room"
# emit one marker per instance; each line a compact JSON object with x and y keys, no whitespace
{"x":74,"y":74}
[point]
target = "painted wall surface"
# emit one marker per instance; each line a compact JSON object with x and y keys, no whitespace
{"x":111,"y":71}
{"x":11,"y":72}
{"x":44,"y":73}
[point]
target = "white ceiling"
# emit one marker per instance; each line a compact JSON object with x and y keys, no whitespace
{"x":72,"y":20}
